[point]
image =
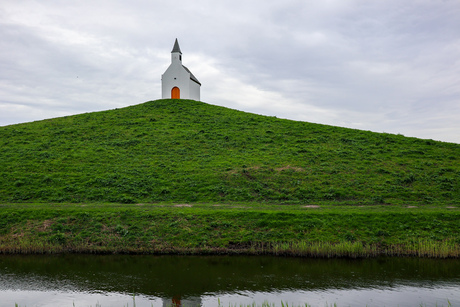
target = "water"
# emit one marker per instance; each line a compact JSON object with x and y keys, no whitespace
{"x":87,"y":280}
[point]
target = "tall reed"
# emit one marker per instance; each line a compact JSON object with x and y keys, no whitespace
{"x":421,"y":248}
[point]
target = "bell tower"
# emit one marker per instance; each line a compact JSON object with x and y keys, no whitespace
{"x":176,"y":54}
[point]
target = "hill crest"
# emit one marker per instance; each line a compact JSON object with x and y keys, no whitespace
{"x":189,"y":151}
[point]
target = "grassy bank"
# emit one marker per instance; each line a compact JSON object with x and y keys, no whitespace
{"x":323,"y":231}
{"x":182,"y":151}
{"x":189,"y":151}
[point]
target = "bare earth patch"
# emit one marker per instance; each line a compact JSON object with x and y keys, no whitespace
{"x":311,"y":206}
{"x":183,"y":205}
{"x":294,"y":168}
{"x":451,"y":207}
{"x":45,"y":225}
{"x":410,"y":207}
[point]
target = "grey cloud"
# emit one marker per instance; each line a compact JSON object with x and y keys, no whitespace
{"x":376,"y":65}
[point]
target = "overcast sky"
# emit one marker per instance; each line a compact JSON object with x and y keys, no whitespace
{"x":386,"y":66}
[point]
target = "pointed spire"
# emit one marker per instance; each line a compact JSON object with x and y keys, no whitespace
{"x":176,"y":47}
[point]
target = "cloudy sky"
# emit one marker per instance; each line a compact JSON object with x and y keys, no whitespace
{"x":386,"y":66}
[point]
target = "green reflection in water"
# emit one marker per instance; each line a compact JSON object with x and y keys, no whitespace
{"x":194,"y":276}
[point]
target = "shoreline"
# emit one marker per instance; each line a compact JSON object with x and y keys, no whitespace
{"x":426,"y":249}
{"x":254,"y":229}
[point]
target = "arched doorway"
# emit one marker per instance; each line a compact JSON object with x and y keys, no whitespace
{"x":175,"y":93}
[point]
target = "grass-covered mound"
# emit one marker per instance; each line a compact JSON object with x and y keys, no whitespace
{"x":189,"y":151}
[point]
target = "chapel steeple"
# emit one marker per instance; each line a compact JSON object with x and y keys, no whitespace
{"x":176,"y":54}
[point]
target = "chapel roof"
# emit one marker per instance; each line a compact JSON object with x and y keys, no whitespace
{"x":192,"y":77}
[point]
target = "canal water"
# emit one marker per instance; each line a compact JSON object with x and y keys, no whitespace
{"x":122,"y":280}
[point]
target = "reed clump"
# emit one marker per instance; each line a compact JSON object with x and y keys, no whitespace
{"x":422,"y":248}
{"x":426,"y":248}
{"x":324,"y":249}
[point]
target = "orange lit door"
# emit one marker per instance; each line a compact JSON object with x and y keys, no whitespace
{"x":175,"y":93}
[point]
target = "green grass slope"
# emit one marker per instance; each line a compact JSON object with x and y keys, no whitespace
{"x":189,"y":151}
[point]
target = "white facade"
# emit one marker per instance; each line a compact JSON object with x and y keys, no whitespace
{"x":179,"y":78}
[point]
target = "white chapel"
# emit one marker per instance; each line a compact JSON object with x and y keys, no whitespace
{"x":178,"y":82}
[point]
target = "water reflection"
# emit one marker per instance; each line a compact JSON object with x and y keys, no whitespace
{"x":197,"y":280}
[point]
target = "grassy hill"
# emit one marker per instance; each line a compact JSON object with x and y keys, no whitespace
{"x":189,"y":151}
